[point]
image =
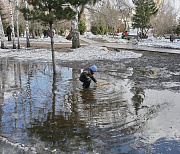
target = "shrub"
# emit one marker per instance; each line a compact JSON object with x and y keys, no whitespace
{"x":82,"y":27}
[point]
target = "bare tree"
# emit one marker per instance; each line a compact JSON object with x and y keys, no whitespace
{"x":17,"y":22}
{"x":12,"y":24}
{"x":75,"y":31}
{"x":111,"y":16}
{"x":125,"y":10}
{"x":165,"y":20}
{"x":112,"y":13}
{"x":2,"y":36}
{"x":27,"y":28}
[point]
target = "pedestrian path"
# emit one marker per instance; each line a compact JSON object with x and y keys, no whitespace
{"x":130,"y":46}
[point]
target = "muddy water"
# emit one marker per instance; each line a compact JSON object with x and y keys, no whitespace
{"x":138,"y":112}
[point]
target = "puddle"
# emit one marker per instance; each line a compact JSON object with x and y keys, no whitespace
{"x":43,"y":113}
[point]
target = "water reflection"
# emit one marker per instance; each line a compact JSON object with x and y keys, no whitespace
{"x":53,"y":112}
{"x":138,"y":97}
{"x":88,"y":96}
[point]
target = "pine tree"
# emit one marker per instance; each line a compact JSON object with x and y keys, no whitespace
{"x":48,"y":11}
{"x":144,"y":10}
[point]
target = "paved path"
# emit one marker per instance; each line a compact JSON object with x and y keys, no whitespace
{"x":130,"y":46}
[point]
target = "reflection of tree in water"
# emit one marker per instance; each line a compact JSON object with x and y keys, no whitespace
{"x":138,"y":97}
{"x":61,"y":130}
{"x":88,"y":96}
{"x":106,"y":120}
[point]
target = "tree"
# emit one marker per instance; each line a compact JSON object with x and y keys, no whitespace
{"x":2,"y":36}
{"x":144,"y":10}
{"x":104,"y":17}
{"x":48,"y":11}
{"x":3,"y":15}
{"x":26,"y":13}
{"x":78,"y":7}
{"x":82,"y":25}
{"x":75,"y":30}
{"x":17,"y":23}
{"x":110,"y":15}
{"x":125,"y":11}
{"x":12,"y":24}
{"x":177,"y":28}
{"x":164,"y":21}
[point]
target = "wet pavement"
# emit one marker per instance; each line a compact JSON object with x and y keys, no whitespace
{"x":131,"y":46}
{"x":138,"y":112}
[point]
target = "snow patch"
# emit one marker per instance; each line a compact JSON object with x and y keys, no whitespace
{"x":80,"y":54}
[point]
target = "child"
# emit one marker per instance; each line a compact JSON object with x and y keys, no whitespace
{"x":87,"y":75}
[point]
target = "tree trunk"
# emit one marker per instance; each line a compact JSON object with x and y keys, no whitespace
{"x":81,"y":12}
{"x":27,"y":28}
{"x":17,"y":21}
{"x":12,"y":23}
{"x":69,"y":37}
{"x":33,"y":33}
{"x":2,"y":36}
{"x":52,"y":49}
{"x":75,"y":32}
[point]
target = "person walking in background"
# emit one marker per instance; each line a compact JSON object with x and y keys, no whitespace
{"x":87,"y":75}
{"x":8,"y":32}
{"x":45,"y":33}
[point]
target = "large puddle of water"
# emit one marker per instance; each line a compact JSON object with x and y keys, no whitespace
{"x":43,"y":113}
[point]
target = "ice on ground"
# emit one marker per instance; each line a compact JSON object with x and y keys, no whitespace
{"x":80,"y":54}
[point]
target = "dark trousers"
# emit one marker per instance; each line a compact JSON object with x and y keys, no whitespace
{"x":86,"y":82}
{"x":9,"y":37}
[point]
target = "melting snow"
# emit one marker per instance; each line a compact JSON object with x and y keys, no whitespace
{"x":86,"y":53}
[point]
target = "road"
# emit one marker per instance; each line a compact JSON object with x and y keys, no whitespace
{"x":131,"y":46}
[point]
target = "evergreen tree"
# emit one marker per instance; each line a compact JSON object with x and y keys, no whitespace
{"x":48,"y":11}
{"x":144,"y":10}
{"x":82,"y":25}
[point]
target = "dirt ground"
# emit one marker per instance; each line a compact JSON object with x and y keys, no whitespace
{"x":59,"y":47}
{"x":63,"y":47}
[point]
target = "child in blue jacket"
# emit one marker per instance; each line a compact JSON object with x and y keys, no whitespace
{"x":87,"y":75}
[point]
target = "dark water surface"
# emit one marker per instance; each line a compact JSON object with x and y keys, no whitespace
{"x":138,"y":112}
